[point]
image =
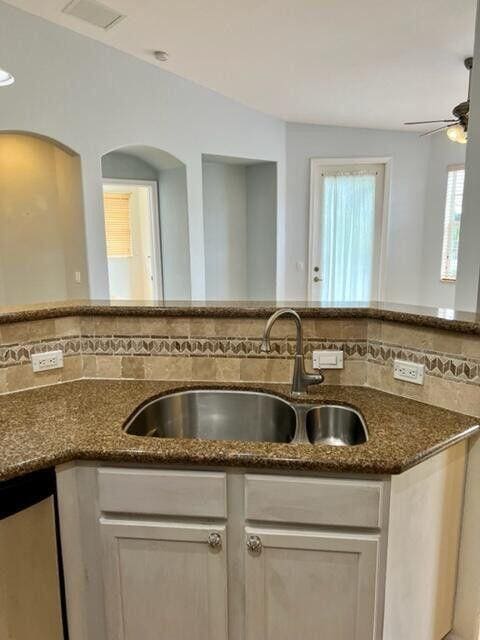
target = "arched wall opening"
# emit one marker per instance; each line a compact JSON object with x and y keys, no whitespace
{"x":146,"y":224}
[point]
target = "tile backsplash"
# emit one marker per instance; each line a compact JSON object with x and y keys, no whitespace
{"x":226,"y":349}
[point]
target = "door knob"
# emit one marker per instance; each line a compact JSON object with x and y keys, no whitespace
{"x":316,"y":279}
{"x":254,"y":545}
{"x":214,"y":540}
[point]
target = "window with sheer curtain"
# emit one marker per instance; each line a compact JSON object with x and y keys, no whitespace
{"x":348,"y":236}
{"x":451,"y":227}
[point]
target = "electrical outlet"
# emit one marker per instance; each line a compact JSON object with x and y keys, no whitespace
{"x":408,"y":371}
{"x":328,"y":359}
{"x":47,"y":360}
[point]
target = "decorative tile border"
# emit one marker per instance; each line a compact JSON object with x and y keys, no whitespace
{"x":209,"y":347}
{"x":442,"y":365}
{"x":15,"y":354}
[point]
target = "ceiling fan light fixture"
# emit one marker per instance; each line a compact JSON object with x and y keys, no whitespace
{"x":6,"y":78}
{"x":457,"y":133}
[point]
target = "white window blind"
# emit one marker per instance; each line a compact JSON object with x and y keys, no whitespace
{"x":118,"y":229}
{"x":451,"y":229}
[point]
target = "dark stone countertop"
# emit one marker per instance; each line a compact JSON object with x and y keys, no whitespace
{"x":83,"y":420}
{"x":449,"y":319}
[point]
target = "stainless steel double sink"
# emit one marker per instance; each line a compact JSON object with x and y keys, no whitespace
{"x":210,"y":414}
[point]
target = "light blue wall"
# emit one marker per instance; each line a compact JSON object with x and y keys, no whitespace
{"x":240,"y":206}
{"x":74,"y":90}
{"x":174,"y":232}
{"x":225,"y":211}
{"x":124,"y":166}
{"x":261,"y":183}
{"x":409,"y":155}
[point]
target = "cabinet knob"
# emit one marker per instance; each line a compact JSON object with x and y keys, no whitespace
{"x":254,"y":545}
{"x":214,"y":540}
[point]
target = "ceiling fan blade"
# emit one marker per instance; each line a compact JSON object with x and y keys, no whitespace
{"x":430,"y":121}
{"x":429,"y":133}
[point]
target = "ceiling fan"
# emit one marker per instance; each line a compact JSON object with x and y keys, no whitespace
{"x":456,"y":127}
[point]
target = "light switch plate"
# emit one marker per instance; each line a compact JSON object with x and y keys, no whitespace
{"x":47,"y":360}
{"x":327,"y":359}
{"x":408,"y":371}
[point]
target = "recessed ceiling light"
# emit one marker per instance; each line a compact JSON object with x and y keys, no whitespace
{"x":161,"y":56}
{"x":6,"y":78}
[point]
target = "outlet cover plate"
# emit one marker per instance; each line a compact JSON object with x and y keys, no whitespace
{"x":47,"y":360}
{"x":408,"y":371}
{"x":328,"y":359}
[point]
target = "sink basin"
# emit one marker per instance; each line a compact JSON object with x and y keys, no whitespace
{"x":216,"y":415}
{"x":335,"y":425}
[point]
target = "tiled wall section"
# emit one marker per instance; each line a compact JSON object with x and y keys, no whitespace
{"x":452,"y":364}
{"x":229,"y":350}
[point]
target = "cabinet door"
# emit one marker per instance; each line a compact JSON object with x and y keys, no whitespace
{"x":309,"y":585}
{"x":164,"y":581}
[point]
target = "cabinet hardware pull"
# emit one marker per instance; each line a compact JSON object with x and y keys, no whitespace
{"x":254,"y":544}
{"x":214,"y":540}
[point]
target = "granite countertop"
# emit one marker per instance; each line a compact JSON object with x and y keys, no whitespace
{"x":83,"y":420}
{"x":436,"y":318}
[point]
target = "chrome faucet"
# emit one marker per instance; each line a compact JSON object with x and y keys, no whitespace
{"x":301,"y":379}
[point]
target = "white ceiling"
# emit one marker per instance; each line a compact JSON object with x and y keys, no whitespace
{"x":362,"y":63}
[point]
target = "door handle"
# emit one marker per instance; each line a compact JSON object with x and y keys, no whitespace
{"x":214,"y":540}
{"x":254,"y":545}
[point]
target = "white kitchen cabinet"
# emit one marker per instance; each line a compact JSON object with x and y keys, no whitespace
{"x":308,"y":584}
{"x":301,"y":555}
{"x":164,"y":580}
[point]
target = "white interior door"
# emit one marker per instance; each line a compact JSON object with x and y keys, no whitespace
{"x":346,"y":231}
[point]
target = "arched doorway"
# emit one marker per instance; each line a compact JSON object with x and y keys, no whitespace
{"x":146,"y":224}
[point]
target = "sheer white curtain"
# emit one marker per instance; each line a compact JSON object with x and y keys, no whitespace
{"x":348,"y":236}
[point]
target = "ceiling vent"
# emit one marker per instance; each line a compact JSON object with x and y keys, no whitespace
{"x":94,"y":13}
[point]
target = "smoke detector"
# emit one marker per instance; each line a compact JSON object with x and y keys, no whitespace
{"x":94,"y":13}
{"x":161,"y":56}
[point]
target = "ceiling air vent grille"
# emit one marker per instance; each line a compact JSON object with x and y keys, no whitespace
{"x":94,"y":13}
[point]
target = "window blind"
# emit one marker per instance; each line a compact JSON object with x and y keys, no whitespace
{"x":117,"y":224}
{"x":451,"y":229}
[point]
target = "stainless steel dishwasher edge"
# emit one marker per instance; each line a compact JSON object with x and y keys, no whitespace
{"x":32,"y":602}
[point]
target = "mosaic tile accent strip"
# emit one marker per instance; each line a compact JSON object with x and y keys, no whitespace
{"x":449,"y":366}
{"x":209,"y":347}
{"x":14,"y":354}
{"x":441,"y":365}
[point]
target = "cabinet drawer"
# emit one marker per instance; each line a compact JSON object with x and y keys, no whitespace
{"x":316,"y":501}
{"x":162,"y":492}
